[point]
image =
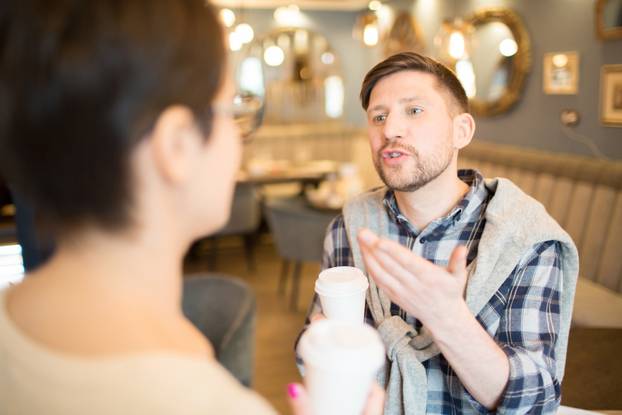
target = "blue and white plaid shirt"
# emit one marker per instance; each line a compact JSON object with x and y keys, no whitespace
{"x":522,"y":317}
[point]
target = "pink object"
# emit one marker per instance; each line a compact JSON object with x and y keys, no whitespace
{"x":293,"y":391}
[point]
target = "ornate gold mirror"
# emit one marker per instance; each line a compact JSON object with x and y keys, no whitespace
{"x":609,"y":19}
{"x":303,"y":82}
{"x":498,"y":62}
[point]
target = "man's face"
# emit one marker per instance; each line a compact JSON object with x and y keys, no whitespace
{"x":410,"y":129}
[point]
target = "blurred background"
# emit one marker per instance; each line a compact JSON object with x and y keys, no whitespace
{"x":544,"y":79}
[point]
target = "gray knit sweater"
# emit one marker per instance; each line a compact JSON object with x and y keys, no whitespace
{"x":515,"y":222}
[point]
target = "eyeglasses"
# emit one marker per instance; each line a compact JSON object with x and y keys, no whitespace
{"x":246,"y":111}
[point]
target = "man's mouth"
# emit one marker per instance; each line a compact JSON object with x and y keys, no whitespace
{"x":393,"y":154}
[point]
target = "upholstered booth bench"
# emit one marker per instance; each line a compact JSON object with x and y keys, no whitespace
{"x":585,"y":196}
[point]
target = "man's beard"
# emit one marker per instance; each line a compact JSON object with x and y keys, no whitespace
{"x":414,"y":173}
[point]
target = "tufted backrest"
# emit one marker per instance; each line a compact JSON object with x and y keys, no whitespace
{"x":583,"y":194}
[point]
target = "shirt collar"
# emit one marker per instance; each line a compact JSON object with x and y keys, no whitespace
{"x":468,"y":207}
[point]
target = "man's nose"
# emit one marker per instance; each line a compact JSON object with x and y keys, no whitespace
{"x":394,"y":127}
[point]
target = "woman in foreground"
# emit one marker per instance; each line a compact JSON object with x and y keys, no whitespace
{"x":116,"y":122}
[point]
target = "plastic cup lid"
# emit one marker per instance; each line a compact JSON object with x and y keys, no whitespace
{"x":340,"y":281}
{"x":342,"y":346}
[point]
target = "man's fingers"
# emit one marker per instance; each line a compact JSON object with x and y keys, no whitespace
{"x":457,"y":262}
{"x":395,"y":269}
{"x":388,"y":283}
{"x":367,"y":238}
{"x":401,"y":254}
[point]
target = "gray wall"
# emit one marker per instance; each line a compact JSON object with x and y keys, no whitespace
{"x":553,"y":25}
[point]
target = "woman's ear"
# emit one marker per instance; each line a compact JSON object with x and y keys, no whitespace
{"x":174,"y":144}
{"x":464,"y":128}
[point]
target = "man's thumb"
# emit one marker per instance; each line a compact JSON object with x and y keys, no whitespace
{"x":457,"y":262}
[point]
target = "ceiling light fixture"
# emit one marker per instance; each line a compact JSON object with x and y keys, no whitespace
{"x":227,"y":17}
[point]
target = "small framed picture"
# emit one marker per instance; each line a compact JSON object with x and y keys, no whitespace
{"x":611,"y":95}
{"x":561,"y":73}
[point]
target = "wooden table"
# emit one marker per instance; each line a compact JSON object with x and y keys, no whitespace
{"x":313,"y":173}
{"x":593,"y":377}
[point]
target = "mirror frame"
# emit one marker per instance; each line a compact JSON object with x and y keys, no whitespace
{"x":601,"y":32}
{"x":405,"y":34}
{"x":257,"y":43}
{"x":521,"y":64}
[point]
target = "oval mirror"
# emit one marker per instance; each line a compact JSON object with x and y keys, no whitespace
{"x":498,"y":62}
{"x":609,"y":19}
{"x":303,"y":83}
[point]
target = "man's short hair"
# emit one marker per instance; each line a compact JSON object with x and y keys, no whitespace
{"x":82,"y":82}
{"x":410,"y":61}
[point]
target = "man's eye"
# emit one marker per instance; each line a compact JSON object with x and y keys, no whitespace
{"x":414,"y":111}
{"x":379,"y":119}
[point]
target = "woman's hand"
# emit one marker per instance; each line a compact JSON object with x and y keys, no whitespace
{"x":301,"y":405}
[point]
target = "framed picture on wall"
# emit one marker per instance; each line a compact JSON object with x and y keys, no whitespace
{"x":561,"y":73}
{"x":611,"y":95}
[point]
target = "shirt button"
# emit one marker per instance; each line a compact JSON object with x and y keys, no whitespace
{"x":422,"y":240}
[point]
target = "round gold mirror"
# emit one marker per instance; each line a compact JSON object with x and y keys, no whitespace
{"x":609,"y":19}
{"x":498,"y":62}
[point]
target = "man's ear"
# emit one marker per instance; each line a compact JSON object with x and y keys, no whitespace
{"x":464,"y":128}
{"x":174,"y":144}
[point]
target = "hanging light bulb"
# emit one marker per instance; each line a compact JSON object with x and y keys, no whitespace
{"x":367,"y":29}
{"x":327,"y":58}
{"x":374,"y":5}
{"x":452,"y":42}
{"x":560,"y":60}
{"x":466,"y":75}
{"x":235,"y":43}
{"x":227,"y":17}
{"x":385,"y":16}
{"x":370,"y":34}
{"x":274,"y":56}
{"x":245,"y":32}
{"x":289,"y":16}
{"x":457,"y":47}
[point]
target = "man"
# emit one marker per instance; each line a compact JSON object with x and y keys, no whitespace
{"x":471,"y":282}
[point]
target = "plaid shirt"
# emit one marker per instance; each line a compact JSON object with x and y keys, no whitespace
{"x":522,"y":317}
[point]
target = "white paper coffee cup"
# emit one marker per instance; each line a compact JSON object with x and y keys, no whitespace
{"x":342,"y":293}
{"x":341,"y":361}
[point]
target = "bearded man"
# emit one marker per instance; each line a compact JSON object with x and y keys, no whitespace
{"x":471,"y":281}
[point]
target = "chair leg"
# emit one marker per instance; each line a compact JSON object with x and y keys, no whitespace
{"x":212,"y":256}
{"x":283,"y":277}
{"x":249,"y":252}
{"x":295,"y":286}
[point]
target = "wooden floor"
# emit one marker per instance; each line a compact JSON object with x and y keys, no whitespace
{"x":592,"y":369}
{"x":277,"y":326}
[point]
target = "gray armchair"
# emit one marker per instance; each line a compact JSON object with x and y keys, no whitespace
{"x":223,"y":309}
{"x":244,"y":222}
{"x":298,"y":231}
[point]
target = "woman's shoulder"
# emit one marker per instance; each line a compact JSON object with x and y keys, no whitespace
{"x":200,"y":384}
{"x":158,"y":382}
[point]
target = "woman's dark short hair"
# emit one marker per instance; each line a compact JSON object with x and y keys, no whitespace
{"x":410,"y":61}
{"x":82,"y":82}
